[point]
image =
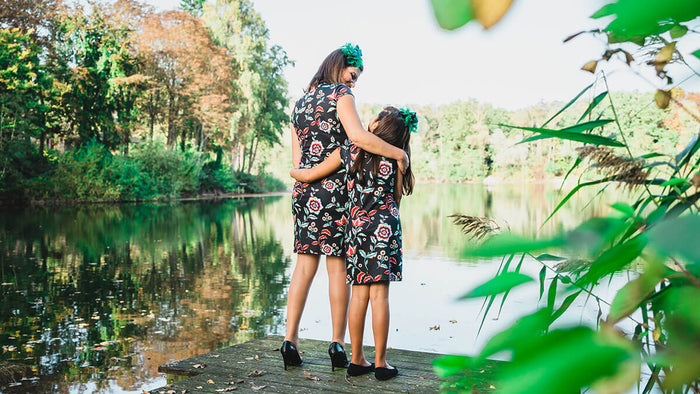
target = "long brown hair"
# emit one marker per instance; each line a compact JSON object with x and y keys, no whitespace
{"x":331,"y":70}
{"x":390,"y":127}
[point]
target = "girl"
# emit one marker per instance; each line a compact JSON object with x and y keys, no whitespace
{"x":373,"y":232}
{"x":323,"y":119}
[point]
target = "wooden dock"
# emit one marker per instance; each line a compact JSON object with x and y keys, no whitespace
{"x":256,"y":366}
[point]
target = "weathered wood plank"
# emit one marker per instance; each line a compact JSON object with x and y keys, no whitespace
{"x":257,"y":366}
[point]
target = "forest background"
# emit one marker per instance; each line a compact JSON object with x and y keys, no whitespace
{"x":117,"y":101}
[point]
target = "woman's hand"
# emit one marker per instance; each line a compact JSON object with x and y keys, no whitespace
{"x":403,"y":163}
{"x":300,"y":174}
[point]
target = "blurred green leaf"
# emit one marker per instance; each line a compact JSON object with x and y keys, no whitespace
{"x":606,"y":10}
{"x":452,"y":14}
{"x":636,"y":291}
{"x":498,"y":285}
{"x":677,"y":237}
{"x":624,"y":208}
{"x":451,"y":365}
{"x":648,"y":17}
{"x":697,"y":54}
{"x":541,"y":277}
{"x":678,"y":31}
{"x":546,"y":363}
{"x":613,"y":260}
{"x":504,"y":244}
{"x":596,"y":233}
{"x":523,"y":331}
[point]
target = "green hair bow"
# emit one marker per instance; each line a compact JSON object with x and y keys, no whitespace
{"x":353,"y":54}
{"x":410,"y":119}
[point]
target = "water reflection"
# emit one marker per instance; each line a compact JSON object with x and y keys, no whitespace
{"x":103,"y":295}
{"x":97,"y":297}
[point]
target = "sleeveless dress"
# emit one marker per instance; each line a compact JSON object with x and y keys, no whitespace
{"x":319,"y":208}
{"x":373,"y":237}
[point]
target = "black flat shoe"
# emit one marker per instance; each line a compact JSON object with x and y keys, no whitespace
{"x":382,"y":373}
{"x":357,"y":370}
{"x":290,"y":354}
{"x":338,"y":357}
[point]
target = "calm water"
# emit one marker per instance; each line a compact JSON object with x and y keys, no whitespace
{"x":95,"y":298}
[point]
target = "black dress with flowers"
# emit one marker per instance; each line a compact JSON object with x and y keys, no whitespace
{"x":319,"y":208}
{"x":373,"y":236}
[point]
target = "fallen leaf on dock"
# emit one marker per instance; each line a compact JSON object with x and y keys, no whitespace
{"x":258,"y":387}
{"x":453,"y":321}
{"x":250,"y":358}
{"x":310,"y":377}
{"x":199,"y":366}
{"x":256,"y":357}
{"x":215,"y":355}
{"x":210,"y":381}
{"x":255,"y":374}
{"x":226,"y":389}
{"x":239,"y":381}
{"x":437,"y":327}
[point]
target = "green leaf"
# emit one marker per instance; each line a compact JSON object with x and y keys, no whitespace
{"x":674,"y":182}
{"x":606,"y":10}
{"x":565,"y":305}
{"x":677,"y":237}
{"x":625,"y":208}
{"x":678,"y":31}
{"x":613,"y":260}
{"x":452,"y":14}
{"x":571,"y":194}
{"x":697,"y":54}
{"x":688,"y":151}
{"x":498,"y":285}
{"x":522,"y":331}
{"x":636,"y":291}
{"x":568,"y":104}
{"x":592,"y":105}
{"x":578,"y":128}
{"x":504,"y":244}
{"x":451,"y":365}
{"x":552,"y":293}
{"x":542,"y":275}
{"x":572,"y":136}
{"x":565,"y":361}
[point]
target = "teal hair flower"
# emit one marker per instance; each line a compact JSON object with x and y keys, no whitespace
{"x":410,"y":119}
{"x":353,"y":54}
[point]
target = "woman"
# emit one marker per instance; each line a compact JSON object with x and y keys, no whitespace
{"x":323,"y":119}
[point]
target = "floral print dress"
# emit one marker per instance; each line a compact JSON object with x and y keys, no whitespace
{"x":319,"y":208}
{"x":373,"y":236}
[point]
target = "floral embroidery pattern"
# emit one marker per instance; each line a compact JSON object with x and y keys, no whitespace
{"x":373,"y":251}
{"x":319,"y":208}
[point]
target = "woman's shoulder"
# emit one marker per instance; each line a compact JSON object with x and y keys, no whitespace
{"x":337,"y":89}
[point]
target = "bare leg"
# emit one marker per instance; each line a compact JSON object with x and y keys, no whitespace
{"x":339,"y":295}
{"x":303,"y":275}
{"x":379,"y":297}
{"x":357,"y":314}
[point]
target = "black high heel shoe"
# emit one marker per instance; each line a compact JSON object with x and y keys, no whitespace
{"x":357,"y":370}
{"x":382,"y":373}
{"x":290,"y":354}
{"x":338,"y":357}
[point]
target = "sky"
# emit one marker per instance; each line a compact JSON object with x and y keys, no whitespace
{"x":409,"y":59}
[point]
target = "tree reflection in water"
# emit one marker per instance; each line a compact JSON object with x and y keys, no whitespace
{"x":94,"y":296}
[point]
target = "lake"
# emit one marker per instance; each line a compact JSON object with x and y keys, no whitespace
{"x":96,"y":297}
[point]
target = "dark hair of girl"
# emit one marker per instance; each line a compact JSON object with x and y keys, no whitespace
{"x":391,"y":127}
{"x":331,"y":69}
